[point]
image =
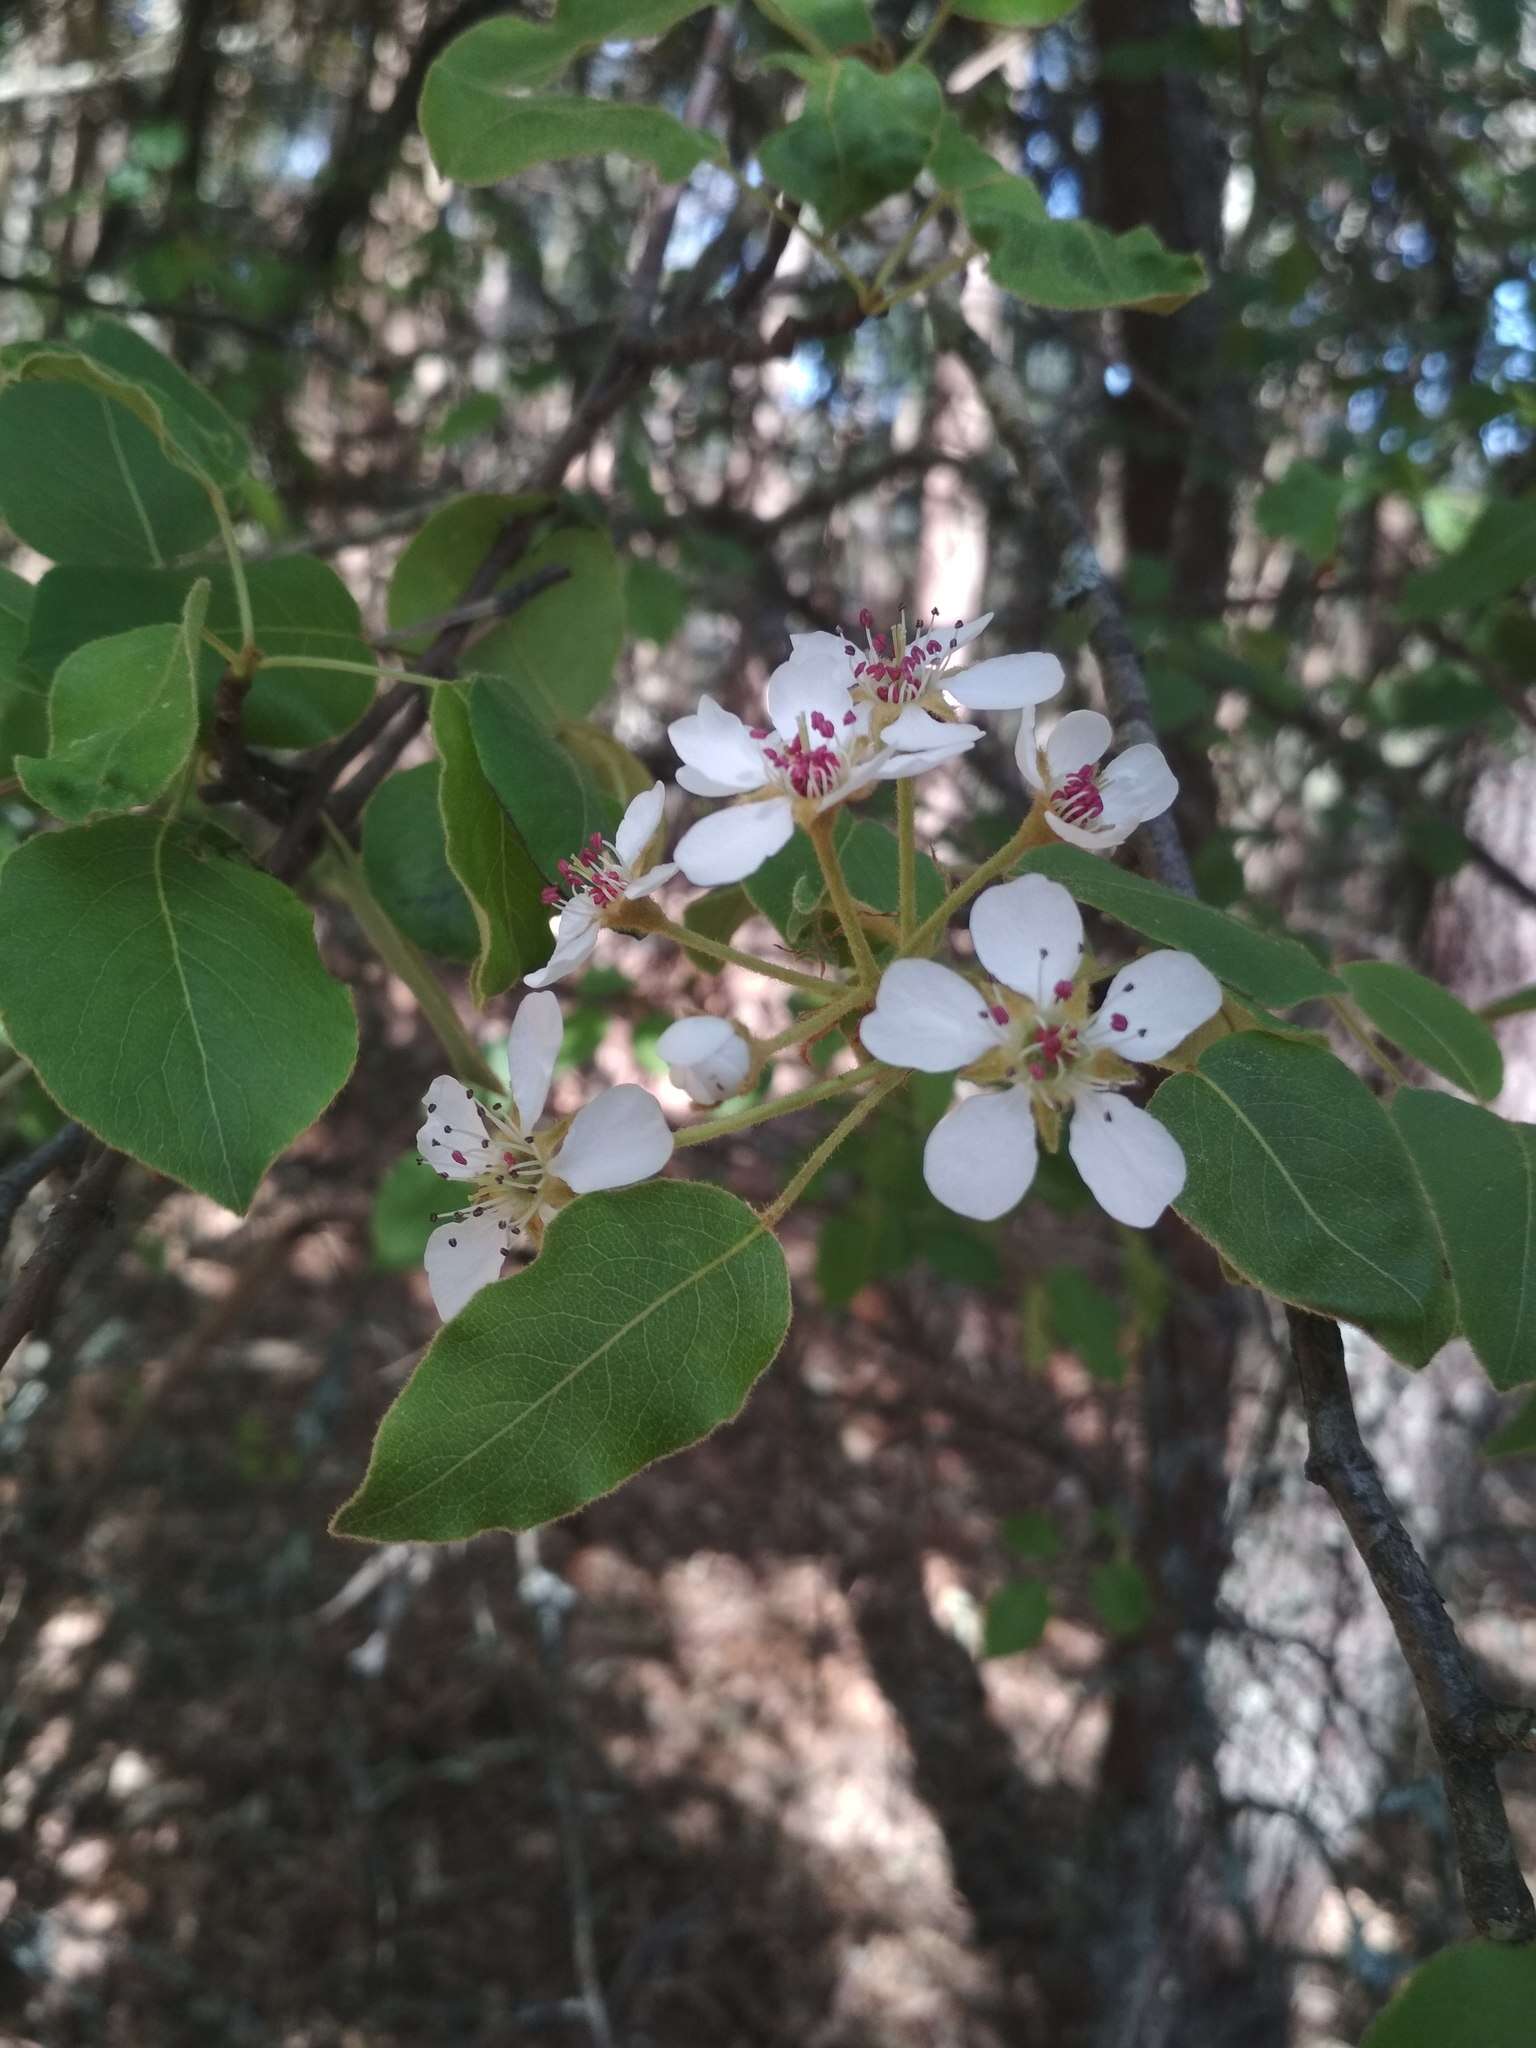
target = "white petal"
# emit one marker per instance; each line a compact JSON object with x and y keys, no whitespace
{"x":716,"y":745}
{"x":1099,"y":837}
{"x":980,"y":1157}
{"x":1153,"y":1004}
{"x":1132,"y":1165}
{"x":1077,"y":741}
{"x":453,"y":1138}
{"x":575,"y":943}
{"x":697,"y":783}
{"x":916,"y":731}
{"x":1026,"y":750}
{"x":734,"y":842}
{"x":706,"y":1057}
{"x":1008,"y":682}
{"x":533,"y":1045}
{"x":927,"y":1016}
{"x":892,"y":765}
{"x":620,"y":1137}
{"x":462,"y":1258}
{"x":653,"y":878}
{"x":815,"y":678}
{"x":638,"y":825}
{"x":1028,"y":934}
{"x":1138,"y":785}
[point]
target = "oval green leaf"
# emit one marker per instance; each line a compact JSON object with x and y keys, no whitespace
{"x":549,"y":797}
{"x":486,"y":852}
{"x":1479,"y":1173}
{"x":641,"y":1326}
{"x":406,"y":862}
{"x":863,"y":136}
{"x":1428,"y":1023}
{"x":178,"y":1007}
{"x":1480,"y":1995}
{"x":1297,"y":1175}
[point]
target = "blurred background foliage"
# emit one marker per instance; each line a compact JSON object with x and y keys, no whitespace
{"x":957,"y":1694}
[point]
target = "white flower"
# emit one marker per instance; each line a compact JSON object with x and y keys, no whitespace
{"x":597,"y":878}
{"x":1043,"y":1054}
{"x":520,"y":1175}
{"x":911,"y":667}
{"x":817,"y":751}
{"x":706,"y":1057}
{"x":1092,"y":806}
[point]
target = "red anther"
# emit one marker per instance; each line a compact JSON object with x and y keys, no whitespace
{"x":882,"y":693}
{"x":822,"y":724}
{"x":1062,"y":990}
{"x":458,"y":1159}
{"x":998,"y":1014}
{"x":760,"y":732}
{"x":879,"y":643}
{"x":866,"y":618}
{"x":849,"y":649}
{"x":1078,"y":797}
{"x":596,"y":842}
{"x":1119,"y":1023}
{"x":850,"y":718}
{"x":935,"y":647}
{"x":564,"y":867}
{"x":859,"y":669}
{"x":1036,"y":1072}
{"x":550,"y":896}
{"x":510,"y":1158}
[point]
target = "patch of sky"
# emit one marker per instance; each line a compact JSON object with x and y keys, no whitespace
{"x":1064,"y":196}
{"x":1363,"y":410}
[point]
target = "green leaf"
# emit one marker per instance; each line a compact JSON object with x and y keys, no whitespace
{"x":549,"y":797}
{"x":1479,"y":1173}
{"x":1016,"y":1618}
{"x":486,"y":852}
{"x":406,"y":862}
{"x":201,"y":430}
{"x":656,"y":600}
{"x":480,"y":135}
{"x":88,"y":472}
{"x":1016,"y":13}
{"x":1479,"y":1995}
{"x":508,"y":51}
{"x":1121,"y":1596}
{"x":1428,"y":1023}
{"x":180,"y":1010}
{"x":1298,"y":1176}
{"x":1518,"y":1436}
{"x":301,"y":607}
{"x":561,"y":647}
{"x":1516,"y":1004}
{"x":1498,"y":556}
{"x":1066,"y":264}
{"x":862,"y":136}
{"x":123,"y":719}
{"x":408,"y":1198}
{"x":641,"y":1326}
{"x":1032,"y":1535}
{"x":472,"y":416}
{"x":1303,"y":506}
{"x":831,"y":24}
{"x":23,"y":700}
{"x":1086,"y":1320}
{"x":1276,"y":972}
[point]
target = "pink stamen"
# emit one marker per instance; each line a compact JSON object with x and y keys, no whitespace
{"x":1119,"y":1022}
{"x":999,"y":1014}
{"x":1078,"y":798}
{"x":458,"y":1159}
{"x":1062,"y":990}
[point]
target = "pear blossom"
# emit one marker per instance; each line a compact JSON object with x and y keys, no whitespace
{"x":817,"y":751}
{"x":707,"y":1058}
{"x":1038,"y":1056}
{"x":1089,"y":805}
{"x":518,"y":1174}
{"x":911,"y":666}
{"x":598,"y":877}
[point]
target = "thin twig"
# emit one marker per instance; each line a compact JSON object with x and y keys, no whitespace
{"x":64,"y":1149}
{"x":1469,"y":1730}
{"x":64,"y":1235}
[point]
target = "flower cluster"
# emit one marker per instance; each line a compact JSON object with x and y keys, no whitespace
{"x":842,"y":717}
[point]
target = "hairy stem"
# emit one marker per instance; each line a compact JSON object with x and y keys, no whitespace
{"x":765,"y":1112}
{"x":823,"y":838}
{"x":237,"y":577}
{"x":717,"y":949}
